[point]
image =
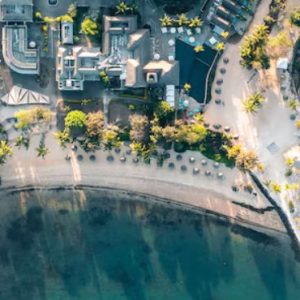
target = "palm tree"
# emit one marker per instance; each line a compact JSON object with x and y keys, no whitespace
{"x":122,"y":8}
{"x":5,"y":151}
{"x":199,"y":48}
{"x":166,"y":21}
{"x":253,"y":103}
{"x":22,"y":141}
{"x":42,"y":151}
{"x":195,"y":22}
{"x":182,"y":20}
{"x":187,"y":87}
{"x":220,"y":46}
{"x":224,"y":34}
{"x":293,"y":104}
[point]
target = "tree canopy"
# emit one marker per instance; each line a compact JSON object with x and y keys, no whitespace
{"x":89,"y":27}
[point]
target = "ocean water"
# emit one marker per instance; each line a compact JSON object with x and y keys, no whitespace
{"x":90,"y":245}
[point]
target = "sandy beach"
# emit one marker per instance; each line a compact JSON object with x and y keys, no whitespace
{"x":207,"y":193}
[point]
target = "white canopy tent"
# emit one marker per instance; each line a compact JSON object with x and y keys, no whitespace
{"x":21,"y":96}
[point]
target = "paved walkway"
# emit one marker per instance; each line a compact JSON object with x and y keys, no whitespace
{"x":270,"y":132}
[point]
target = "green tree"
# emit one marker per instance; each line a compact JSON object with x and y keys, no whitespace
{"x":253,"y":103}
{"x":111,"y":137}
{"x":182,"y":20}
{"x":279,"y":45}
{"x":295,"y":17}
{"x":5,"y":151}
{"x":95,"y":124}
{"x":22,"y":141}
{"x":195,"y":22}
{"x":75,"y":122}
{"x":138,"y":128}
{"x":89,"y":27}
{"x":37,"y":115}
{"x":72,"y":10}
{"x":63,"y":137}
{"x":166,"y":21}
{"x":164,"y":112}
{"x":253,"y":48}
{"x":122,"y":8}
{"x":42,"y":151}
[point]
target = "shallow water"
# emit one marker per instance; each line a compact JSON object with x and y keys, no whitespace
{"x":103,"y":245}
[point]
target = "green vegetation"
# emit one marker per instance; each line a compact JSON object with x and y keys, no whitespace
{"x":182,"y":20}
{"x":27,"y":118}
{"x":125,"y":9}
{"x":295,"y":17}
{"x":253,"y":103}
{"x":164,"y":112}
{"x":89,"y":27}
{"x":279,"y":45}
{"x":214,"y":146}
{"x":5,"y":152}
{"x":75,"y":120}
{"x":253,"y":50}
{"x":244,"y":159}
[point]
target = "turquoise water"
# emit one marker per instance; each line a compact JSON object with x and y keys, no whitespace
{"x":100,"y":245}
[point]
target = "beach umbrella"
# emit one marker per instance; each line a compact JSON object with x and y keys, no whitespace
{"x":123,"y":159}
{"x":218,"y":91}
{"x":219,"y":81}
{"x":218,"y":101}
{"x":179,"y":157}
{"x":128,"y":151}
{"x":207,"y":173}
{"x":135,"y":160}
{"x":222,"y":70}
{"x":220,"y":175}
{"x":206,"y":124}
{"x":196,"y":170}
{"x":171,"y":165}
{"x":192,"y":159}
{"x":79,"y":157}
{"x":68,"y":157}
{"x":92,"y":157}
{"x":74,"y":147}
{"x":117,"y":150}
{"x":204,"y":162}
{"x":227,"y":128}
{"x":183,"y":168}
{"x":226,"y":60}
{"x":216,"y":165}
{"x":110,"y":158}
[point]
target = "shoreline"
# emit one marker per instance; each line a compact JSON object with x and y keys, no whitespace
{"x":168,"y":202}
{"x":208,"y":194}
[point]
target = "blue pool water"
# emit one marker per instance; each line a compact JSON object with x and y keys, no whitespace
{"x":90,"y":245}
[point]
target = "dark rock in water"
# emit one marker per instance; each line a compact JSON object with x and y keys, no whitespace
{"x":98,"y":216}
{"x":34,"y":219}
{"x":258,"y":237}
{"x":63,"y":211}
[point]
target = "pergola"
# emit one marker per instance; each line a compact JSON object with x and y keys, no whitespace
{"x":21,"y":96}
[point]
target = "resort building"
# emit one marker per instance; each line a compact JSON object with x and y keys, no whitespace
{"x":232,"y":16}
{"x":126,"y":58}
{"x":76,"y":64}
{"x":129,"y":55}
{"x":16,"y":10}
{"x":17,"y":53}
